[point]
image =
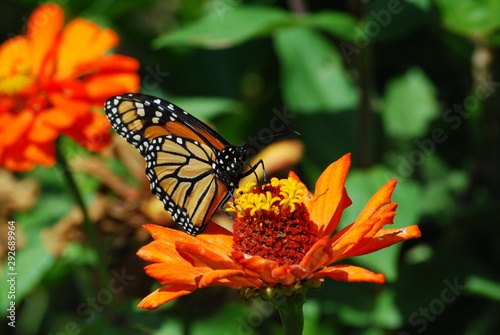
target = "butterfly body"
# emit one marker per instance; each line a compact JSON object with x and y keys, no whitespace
{"x":191,"y":168}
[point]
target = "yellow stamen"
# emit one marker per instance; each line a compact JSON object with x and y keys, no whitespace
{"x":291,"y":193}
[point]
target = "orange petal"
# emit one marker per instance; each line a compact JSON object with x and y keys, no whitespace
{"x":13,"y":135}
{"x":381,"y":198}
{"x":202,"y":256}
{"x":56,"y":118}
{"x":74,"y":106}
{"x":231,"y":278}
{"x":82,"y":42}
{"x":23,"y":156}
{"x":345,"y":242}
{"x":159,"y":232}
{"x":330,"y":198}
{"x":41,"y":153}
{"x":173,"y":236}
{"x":219,"y":236}
{"x":13,"y":158}
{"x":288,"y":274}
{"x":367,"y":229}
{"x":318,"y":256}
{"x":175,"y":273}
{"x":160,"y":251}
{"x":14,"y":53}
{"x":113,"y":63}
{"x":386,"y":238}
{"x":101,"y":86}
{"x":44,"y":28}
{"x":42,"y":132}
{"x":256,"y":266}
{"x":91,"y":131}
{"x":164,"y":295}
{"x":349,"y":273}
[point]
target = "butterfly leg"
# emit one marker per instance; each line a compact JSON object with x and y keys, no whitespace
{"x":254,"y":167}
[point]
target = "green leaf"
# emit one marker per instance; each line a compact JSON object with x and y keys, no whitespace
{"x":410,"y":104}
{"x":313,"y":77}
{"x":484,"y":287}
{"x":361,"y":185}
{"x":236,"y":26}
{"x":339,"y":24}
{"x":470,"y":17}
{"x":386,"y":313}
{"x":422,"y":4}
{"x":206,"y":108}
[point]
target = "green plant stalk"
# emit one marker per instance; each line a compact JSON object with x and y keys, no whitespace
{"x":89,"y":226}
{"x":291,"y":312}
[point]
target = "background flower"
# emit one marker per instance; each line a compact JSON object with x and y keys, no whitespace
{"x":54,"y":80}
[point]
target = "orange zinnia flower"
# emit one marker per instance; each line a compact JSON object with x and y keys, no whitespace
{"x":52,"y":82}
{"x":282,"y":239}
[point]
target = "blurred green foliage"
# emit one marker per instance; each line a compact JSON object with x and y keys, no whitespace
{"x":410,"y":87}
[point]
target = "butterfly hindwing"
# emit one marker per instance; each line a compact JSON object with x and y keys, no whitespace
{"x":181,"y":175}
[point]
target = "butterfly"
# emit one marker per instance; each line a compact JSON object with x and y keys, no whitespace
{"x":192,"y":169}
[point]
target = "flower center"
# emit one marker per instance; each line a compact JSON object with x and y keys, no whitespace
{"x":14,"y":84}
{"x":273,"y":222}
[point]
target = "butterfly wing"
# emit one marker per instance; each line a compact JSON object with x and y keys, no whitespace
{"x":180,"y":152}
{"x":139,"y":117}
{"x":181,"y":175}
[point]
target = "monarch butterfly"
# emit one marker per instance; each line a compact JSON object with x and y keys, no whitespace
{"x":191,"y":168}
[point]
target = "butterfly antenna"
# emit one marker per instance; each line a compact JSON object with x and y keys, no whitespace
{"x":272,"y":136}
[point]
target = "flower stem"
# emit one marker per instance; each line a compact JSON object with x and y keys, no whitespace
{"x":89,"y":226}
{"x":291,"y":313}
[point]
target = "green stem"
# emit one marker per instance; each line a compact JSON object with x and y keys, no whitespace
{"x":291,"y":313}
{"x":89,"y":226}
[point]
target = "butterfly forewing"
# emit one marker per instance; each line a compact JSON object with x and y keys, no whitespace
{"x":139,"y":116}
